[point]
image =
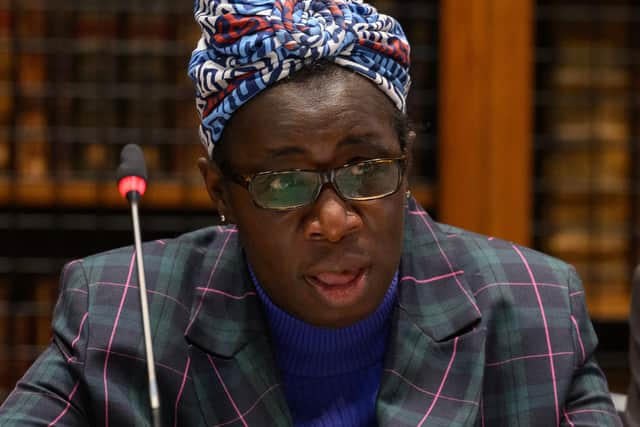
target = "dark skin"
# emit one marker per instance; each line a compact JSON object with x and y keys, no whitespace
{"x":319,"y":124}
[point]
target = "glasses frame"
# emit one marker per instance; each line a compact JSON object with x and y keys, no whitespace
{"x":326,"y":177}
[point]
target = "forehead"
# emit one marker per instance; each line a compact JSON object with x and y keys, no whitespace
{"x":314,"y":121}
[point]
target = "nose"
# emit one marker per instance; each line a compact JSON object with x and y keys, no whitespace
{"x":331,"y":218}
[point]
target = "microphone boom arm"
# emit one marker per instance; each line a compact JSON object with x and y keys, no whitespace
{"x":151,"y":367}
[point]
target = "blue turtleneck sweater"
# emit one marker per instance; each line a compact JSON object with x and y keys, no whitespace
{"x":331,"y":377}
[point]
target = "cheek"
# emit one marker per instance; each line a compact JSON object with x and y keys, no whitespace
{"x":387,"y":222}
{"x":267,"y":237}
{"x":385,"y":228}
{"x":270,"y":238}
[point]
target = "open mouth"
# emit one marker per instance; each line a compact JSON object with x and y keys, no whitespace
{"x":339,"y":288}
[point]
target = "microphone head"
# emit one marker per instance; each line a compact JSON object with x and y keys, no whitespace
{"x":132,"y":173}
{"x":132,"y":162}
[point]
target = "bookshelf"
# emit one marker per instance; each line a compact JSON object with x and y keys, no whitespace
{"x":538,"y":139}
{"x":83,"y":83}
{"x":86,"y":80}
{"x":586,"y":145}
{"x":78,"y":81}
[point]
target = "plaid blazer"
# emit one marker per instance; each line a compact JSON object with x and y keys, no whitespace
{"x":484,"y":333}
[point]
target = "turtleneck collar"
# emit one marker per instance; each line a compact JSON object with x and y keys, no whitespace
{"x":305,"y":349}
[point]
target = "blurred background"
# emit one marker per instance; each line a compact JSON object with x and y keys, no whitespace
{"x":526,"y":114}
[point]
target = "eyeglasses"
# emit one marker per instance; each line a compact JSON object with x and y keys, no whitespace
{"x":284,"y":190}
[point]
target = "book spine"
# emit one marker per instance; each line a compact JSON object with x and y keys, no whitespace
{"x":150,"y":72}
{"x":32,"y":149}
{"x":95,"y":75}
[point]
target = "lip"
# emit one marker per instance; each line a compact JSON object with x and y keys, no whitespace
{"x":339,"y":288}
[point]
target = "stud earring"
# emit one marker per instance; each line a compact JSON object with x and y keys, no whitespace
{"x":223,"y":219}
{"x":408,"y":194}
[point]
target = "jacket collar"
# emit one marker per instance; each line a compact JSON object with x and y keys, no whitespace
{"x":435,"y":355}
{"x":433,"y":291}
{"x":434,"y":364}
{"x":226,"y":313}
{"x":232,"y":365}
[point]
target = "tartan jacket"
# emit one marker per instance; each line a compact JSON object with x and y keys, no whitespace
{"x":484,"y":333}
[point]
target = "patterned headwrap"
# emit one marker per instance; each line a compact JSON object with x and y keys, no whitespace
{"x":248,"y":45}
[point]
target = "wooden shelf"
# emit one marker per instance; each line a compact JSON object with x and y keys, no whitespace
{"x":34,"y":192}
{"x":86,"y":193}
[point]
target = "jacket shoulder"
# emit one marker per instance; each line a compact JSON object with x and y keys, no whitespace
{"x":173,"y":267}
{"x":157,"y":253}
{"x":108,"y":284}
{"x":500,"y":261}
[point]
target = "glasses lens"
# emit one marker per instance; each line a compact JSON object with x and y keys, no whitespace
{"x":284,"y":190}
{"x":369,"y":180}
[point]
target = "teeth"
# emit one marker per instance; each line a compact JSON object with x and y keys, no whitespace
{"x":336,"y":279}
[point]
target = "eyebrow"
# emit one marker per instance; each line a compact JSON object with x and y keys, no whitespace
{"x":286,"y":151}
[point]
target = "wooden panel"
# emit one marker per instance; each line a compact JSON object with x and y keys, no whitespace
{"x":485,"y":107}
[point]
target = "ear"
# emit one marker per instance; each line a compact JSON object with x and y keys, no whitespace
{"x":214,"y":182}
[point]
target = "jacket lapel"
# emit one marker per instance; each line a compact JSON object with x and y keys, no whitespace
{"x":232,"y":367}
{"x":434,"y":366}
{"x":435,"y":360}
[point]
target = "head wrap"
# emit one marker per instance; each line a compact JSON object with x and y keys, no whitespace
{"x":248,"y":45}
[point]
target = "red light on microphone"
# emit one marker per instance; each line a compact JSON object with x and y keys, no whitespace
{"x":132,"y":183}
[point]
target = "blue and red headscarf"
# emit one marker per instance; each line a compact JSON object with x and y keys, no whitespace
{"x":248,"y":45}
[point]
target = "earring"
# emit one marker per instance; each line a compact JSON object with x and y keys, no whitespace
{"x":223,"y":219}
{"x":408,"y":194}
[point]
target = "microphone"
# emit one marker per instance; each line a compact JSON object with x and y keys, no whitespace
{"x":132,"y":183}
{"x":132,"y":173}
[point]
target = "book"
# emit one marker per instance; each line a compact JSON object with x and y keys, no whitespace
{"x":94,"y":114}
{"x":32,"y":148}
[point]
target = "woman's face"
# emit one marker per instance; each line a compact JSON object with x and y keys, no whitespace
{"x":331,"y":262}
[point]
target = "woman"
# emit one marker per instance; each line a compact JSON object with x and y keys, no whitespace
{"x":330,"y":298}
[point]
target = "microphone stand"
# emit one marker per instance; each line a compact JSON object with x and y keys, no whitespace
{"x":151,"y":367}
{"x":132,"y":183}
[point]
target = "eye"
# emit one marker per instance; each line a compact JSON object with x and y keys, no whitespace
{"x":357,"y":170}
{"x":278,"y":184}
